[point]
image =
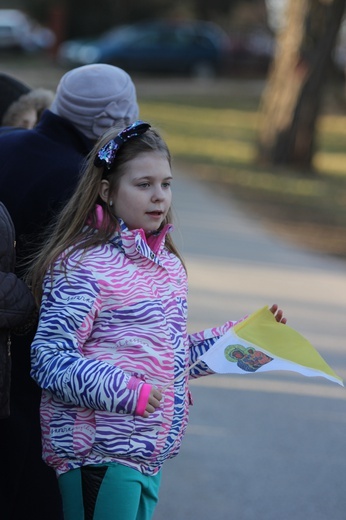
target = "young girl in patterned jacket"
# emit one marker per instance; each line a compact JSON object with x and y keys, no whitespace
{"x":111,"y":352}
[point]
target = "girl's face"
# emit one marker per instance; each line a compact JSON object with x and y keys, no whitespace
{"x":144,"y":195}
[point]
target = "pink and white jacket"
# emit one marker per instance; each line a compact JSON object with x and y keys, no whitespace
{"x":112,"y":324}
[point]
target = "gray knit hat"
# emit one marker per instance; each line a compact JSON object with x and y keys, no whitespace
{"x":95,"y":97}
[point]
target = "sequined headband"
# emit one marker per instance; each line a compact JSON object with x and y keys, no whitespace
{"x":105,"y":156}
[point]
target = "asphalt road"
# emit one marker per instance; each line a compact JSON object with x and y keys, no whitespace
{"x":262,"y":446}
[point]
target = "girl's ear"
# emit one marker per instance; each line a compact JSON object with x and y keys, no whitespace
{"x":104,"y":190}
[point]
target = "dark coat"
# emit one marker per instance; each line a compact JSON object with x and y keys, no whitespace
{"x":39,"y":171}
{"x":16,"y":304}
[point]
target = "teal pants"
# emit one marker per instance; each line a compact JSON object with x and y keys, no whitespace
{"x":108,"y":492}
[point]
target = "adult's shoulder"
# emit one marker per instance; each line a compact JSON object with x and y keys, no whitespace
{"x":54,"y":150}
{"x":52,"y":131}
{"x":17,"y":143}
{"x":9,"y":129}
{"x":5,"y":218}
{"x":62,"y":132}
{"x":14,"y":135}
{"x":7,"y":238}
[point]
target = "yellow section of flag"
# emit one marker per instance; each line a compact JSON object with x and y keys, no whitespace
{"x":259,"y":343}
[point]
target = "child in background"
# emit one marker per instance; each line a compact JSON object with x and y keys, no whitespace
{"x":111,"y":351}
{"x":20,"y":105}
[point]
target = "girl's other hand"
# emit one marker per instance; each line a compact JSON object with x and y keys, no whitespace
{"x":153,"y":402}
{"x":278,"y":314}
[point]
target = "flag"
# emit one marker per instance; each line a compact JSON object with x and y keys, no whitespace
{"x":260,"y":343}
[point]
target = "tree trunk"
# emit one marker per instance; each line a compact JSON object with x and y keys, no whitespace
{"x":291,"y":101}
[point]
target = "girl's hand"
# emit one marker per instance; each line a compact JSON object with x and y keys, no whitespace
{"x":153,"y":402}
{"x":278,"y":314}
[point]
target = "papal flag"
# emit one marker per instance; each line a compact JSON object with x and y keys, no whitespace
{"x":259,"y":344}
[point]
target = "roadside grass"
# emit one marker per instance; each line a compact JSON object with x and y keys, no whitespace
{"x":214,"y":137}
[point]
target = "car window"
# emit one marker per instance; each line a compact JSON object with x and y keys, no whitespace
{"x":122,"y":35}
{"x":157,"y":37}
{"x":203,"y":41}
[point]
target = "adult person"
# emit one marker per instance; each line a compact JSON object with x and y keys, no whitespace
{"x":20,"y":105}
{"x":39,"y":171}
{"x":16,"y":305}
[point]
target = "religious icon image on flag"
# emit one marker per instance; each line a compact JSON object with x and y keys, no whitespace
{"x":246,"y":358}
{"x":260,"y":344}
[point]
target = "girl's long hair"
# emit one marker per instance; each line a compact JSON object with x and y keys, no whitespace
{"x":69,"y":232}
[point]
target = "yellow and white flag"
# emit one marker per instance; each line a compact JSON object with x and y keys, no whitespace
{"x":259,"y":344}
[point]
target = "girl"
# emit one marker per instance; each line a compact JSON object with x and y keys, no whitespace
{"x":111,"y":351}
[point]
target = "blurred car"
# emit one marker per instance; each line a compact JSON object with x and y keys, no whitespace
{"x":191,"y":47}
{"x":20,"y":32}
{"x":253,"y":50}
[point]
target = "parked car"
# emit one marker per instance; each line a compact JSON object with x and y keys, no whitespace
{"x":20,"y":32}
{"x":252,"y":50}
{"x":189,"y":47}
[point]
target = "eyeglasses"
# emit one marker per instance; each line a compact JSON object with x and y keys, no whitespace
{"x":105,"y":157}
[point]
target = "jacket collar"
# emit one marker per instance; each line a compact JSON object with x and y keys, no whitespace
{"x":134,"y":243}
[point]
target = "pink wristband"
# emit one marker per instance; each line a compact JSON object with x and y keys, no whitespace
{"x":143,"y":399}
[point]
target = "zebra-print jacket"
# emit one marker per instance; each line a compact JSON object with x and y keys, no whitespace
{"x":113,"y":321}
